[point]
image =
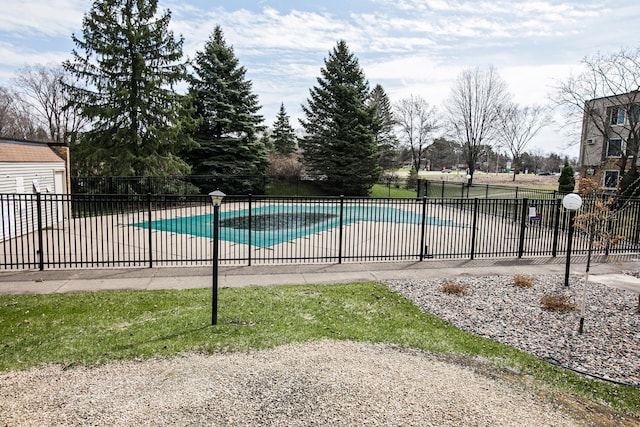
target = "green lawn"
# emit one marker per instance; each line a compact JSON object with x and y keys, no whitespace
{"x":383,"y":191}
{"x":89,"y":328}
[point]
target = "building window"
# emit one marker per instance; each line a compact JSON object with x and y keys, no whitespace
{"x":617,"y":116}
{"x":614,"y":148}
{"x":610,"y":179}
{"x":634,"y":114}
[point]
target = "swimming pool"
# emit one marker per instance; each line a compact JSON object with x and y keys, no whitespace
{"x":275,"y":224}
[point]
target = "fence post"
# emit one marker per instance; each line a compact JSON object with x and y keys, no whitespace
{"x":474,"y":226}
{"x":636,"y":209}
{"x":462,"y":191}
{"x":149,"y":228}
{"x":250,"y":226}
{"x":422,"y":230}
{"x":556,"y":228}
{"x":607,"y":246}
{"x":523,"y":226}
{"x":40,"y":238}
{"x":340,"y":231}
{"x":486,"y":192}
{"x":442,"y":190}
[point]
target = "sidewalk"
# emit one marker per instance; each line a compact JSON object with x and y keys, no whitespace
{"x":88,"y":280}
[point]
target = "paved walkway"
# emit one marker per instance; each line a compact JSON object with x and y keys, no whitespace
{"x":608,"y":271}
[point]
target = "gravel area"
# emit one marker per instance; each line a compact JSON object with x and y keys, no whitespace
{"x":317,"y":383}
{"x":494,"y":307}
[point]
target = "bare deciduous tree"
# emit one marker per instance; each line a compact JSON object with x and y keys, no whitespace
{"x":41,"y":92}
{"x":417,"y":121}
{"x":477,"y":97}
{"x":516,"y":127}
{"x":15,"y":122}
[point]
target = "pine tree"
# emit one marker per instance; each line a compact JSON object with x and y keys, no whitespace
{"x":127,"y":63}
{"x":284,"y":138}
{"x":227,"y":137}
{"x":630,"y":184}
{"x":566,"y":181}
{"x":386,"y":139}
{"x":341,"y":128}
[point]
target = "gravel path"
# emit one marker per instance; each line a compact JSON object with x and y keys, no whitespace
{"x":495,"y":308}
{"x":318,"y":383}
{"x":347,"y":383}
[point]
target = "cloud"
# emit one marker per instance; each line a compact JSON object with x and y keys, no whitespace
{"x":265,"y":31}
{"x":19,"y":56}
{"x":28,"y":18}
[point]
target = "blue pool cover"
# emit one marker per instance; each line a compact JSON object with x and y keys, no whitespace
{"x":271,"y":225}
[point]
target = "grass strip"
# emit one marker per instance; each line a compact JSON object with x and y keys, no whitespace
{"x":92,"y":328}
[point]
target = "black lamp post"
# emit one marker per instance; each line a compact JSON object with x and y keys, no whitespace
{"x":216,"y":199}
{"x":586,"y":280}
{"x":572,"y":203}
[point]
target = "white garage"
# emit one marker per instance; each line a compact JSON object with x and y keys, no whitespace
{"x":28,"y":168}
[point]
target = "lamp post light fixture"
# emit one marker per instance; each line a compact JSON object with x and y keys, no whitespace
{"x":216,"y":199}
{"x":572,"y":203}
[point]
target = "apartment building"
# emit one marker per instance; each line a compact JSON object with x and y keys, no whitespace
{"x":610,"y":136}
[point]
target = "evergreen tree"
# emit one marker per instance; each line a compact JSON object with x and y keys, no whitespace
{"x":567,"y":180}
{"x":443,"y":154}
{"x":386,"y":139}
{"x":341,"y":128}
{"x":267,"y":141}
{"x":284,"y":138}
{"x":227,"y":137}
{"x":630,"y":184}
{"x":127,"y":63}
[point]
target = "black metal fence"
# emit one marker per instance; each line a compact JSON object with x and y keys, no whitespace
{"x":448,"y":189}
{"x":51,"y":231}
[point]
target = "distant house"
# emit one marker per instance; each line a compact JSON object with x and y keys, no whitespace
{"x":27,"y":168}
{"x":610,"y":130}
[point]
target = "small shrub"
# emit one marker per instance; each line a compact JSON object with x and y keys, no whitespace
{"x":454,"y":288}
{"x":522,"y":281}
{"x":557,"y":303}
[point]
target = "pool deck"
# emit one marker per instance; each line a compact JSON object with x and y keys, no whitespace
{"x":603,"y":270}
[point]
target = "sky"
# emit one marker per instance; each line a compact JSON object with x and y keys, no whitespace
{"x":410,"y":47}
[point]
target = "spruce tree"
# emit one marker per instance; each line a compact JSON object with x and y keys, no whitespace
{"x":340,"y":144}
{"x":566,"y":181}
{"x":284,"y":138}
{"x":227,"y":136}
{"x":127,"y":63}
{"x":386,"y":139}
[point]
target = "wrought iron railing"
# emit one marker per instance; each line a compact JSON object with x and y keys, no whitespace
{"x":49,"y":231}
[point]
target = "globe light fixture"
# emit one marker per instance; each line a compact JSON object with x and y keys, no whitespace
{"x":572,"y":202}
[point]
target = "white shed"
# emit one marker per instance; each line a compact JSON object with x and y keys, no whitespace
{"x":26,"y":168}
{"x":23,"y":162}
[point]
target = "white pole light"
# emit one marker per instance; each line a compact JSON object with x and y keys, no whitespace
{"x":572,"y":202}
